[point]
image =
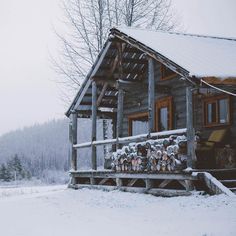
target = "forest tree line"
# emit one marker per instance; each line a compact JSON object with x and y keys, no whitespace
{"x":44,"y":148}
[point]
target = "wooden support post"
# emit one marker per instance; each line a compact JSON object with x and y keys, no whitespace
{"x":119,"y":125}
{"x":190,"y":129}
{"x":92,"y":181}
{"x":151,"y":96}
{"x":148,"y":183}
{"x":73,"y":139}
{"x":118,"y":182}
{"x":94,"y":124}
{"x":114,"y":127}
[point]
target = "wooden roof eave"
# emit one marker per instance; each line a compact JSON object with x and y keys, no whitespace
{"x":152,"y":53}
{"x":219,"y":81}
{"x":87,"y":81}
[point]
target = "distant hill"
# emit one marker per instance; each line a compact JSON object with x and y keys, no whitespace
{"x":46,"y":146}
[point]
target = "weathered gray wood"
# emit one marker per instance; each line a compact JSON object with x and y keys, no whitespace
{"x":103,"y":181}
{"x":164,"y":183}
{"x":119,"y":182}
{"x":189,"y":185}
{"x":120,"y":112}
{"x":132,"y":182}
{"x":214,"y":186}
{"x":153,"y":191}
{"x":73,"y":140}
{"x":190,"y":129}
{"x":92,"y":181}
{"x":104,"y":88}
{"x":94,"y":124}
{"x":112,"y":174}
{"x":137,"y":138}
{"x":182,"y":183}
{"x":151,"y":96}
{"x":148,"y":183}
{"x":114,"y":127}
{"x":87,"y":82}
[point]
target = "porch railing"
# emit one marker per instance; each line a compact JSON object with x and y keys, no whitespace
{"x":136,"y":138}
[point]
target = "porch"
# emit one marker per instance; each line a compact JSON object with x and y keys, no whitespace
{"x":131,"y":82}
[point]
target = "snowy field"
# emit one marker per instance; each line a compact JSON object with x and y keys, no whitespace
{"x":57,"y":211}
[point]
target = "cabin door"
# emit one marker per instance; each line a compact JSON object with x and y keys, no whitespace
{"x":164,"y":116}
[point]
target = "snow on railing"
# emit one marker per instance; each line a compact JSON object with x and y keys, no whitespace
{"x":136,"y":138}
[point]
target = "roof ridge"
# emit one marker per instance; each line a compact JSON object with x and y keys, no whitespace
{"x":177,"y":33}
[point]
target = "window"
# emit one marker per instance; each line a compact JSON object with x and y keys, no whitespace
{"x":164,"y":114}
{"x":217,"y":110}
{"x":138,"y":123}
{"x":166,"y":73}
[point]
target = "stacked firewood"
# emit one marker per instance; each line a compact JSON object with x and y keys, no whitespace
{"x":167,"y":154}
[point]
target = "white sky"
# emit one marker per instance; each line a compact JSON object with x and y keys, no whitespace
{"x":28,"y":93}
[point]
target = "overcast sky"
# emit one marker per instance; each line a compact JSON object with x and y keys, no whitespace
{"x":28,"y":93}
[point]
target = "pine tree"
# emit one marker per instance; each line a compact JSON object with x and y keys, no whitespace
{"x":5,"y":173}
{"x":16,"y":167}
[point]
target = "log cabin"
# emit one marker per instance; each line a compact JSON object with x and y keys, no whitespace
{"x":152,"y":84}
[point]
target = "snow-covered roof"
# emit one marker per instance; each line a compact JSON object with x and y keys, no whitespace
{"x":202,"y":56}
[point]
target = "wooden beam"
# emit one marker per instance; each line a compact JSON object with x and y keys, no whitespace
{"x":148,"y":183}
{"x":104,"y":88}
{"x":120,"y":108}
{"x":132,"y":60}
{"x":151,"y":96}
{"x":190,"y":129}
{"x":73,"y":131}
{"x":129,"y":139}
{"x":164,"y":183}
{"x":119,"y":182}
{"x":220,"y":81}
{"x":153,"y":191}
{"x":94,"y":124}
{"x":132,"y":182}
{"x":87,"y":82}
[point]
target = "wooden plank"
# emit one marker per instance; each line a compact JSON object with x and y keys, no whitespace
{"x":92,"y":181}
{"x":87,"y":82}
{"x":73,"y":141}
{"x":112,"y":174}
{"x":103,"y":181}
{"x":119,"y":182}
{"x":189,"y":185}
{"x":153,"y":191}
{"x":101,"y":95}
{"x":148,"y":183}
{"x":135,"y":138}
{"x":164,"y":183}
{"x":214,"y":186}
{"x":94,"y":125}
{"x":182,"y":182}
{"x":120,"y":108}
{"x":132,"y":182}
{"x":151,"y":96}
{"x":190,"y":129}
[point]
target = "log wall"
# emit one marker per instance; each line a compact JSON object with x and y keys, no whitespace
{"x":137,"y":101}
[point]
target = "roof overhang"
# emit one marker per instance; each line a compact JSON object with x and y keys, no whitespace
{"x":117,"y":35}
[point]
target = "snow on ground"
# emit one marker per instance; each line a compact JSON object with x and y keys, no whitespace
{"x":56,"y":210}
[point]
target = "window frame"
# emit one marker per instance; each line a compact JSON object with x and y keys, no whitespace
{"x":215,"y":99}
{"x":161,"y":103}
{"x":133,"y":117}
